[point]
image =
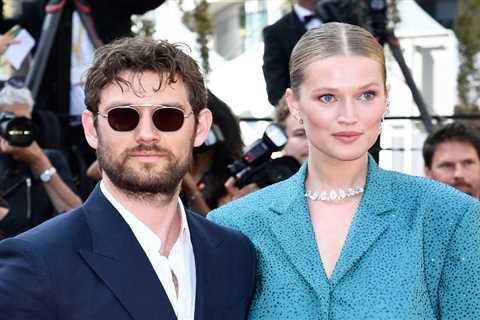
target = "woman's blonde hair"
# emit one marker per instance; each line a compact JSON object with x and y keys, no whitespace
{"x":332,"y":39}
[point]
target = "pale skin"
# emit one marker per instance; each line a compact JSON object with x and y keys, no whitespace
{"x":60,"y":195}
{"x":159,"y":213}
{"x":341,"y":109}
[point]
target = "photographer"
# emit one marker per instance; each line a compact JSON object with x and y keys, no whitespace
{"x":204,"y":187}
{"x":35,"y":184}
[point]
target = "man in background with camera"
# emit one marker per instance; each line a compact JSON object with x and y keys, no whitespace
{"x":35,"y":184}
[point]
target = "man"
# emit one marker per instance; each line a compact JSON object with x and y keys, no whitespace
{"x":297,"y":144}
{"x":452,"y":156}
{"x":132,"y":251}
{"x":279,"y":39}
{"x":35,"y":183}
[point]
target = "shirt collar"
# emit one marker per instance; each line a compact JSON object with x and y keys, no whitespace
{"x":149,"y":241}
{"x":301,"y":11}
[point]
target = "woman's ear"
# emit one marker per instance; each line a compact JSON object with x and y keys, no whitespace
{"x":89,"y":128}
{"x":203,"y":126}
{"x":292,"y":103}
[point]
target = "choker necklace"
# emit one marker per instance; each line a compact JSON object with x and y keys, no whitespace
{"x":332,"y":195}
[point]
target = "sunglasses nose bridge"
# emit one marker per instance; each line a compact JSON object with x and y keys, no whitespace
{"x":146,"y":129}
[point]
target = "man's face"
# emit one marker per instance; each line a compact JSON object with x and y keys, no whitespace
{"x":145,"y":160}
{"x":297,"y":144}
{"x":20,"y":110}
{"x":457,"y":164}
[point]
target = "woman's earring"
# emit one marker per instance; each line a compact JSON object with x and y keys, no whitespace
{"x":387,"y":111}
{"x":299,"y":119}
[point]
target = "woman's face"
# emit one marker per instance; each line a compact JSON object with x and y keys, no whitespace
{"x":341,"y":102}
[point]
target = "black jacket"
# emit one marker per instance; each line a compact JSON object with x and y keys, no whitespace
{"x":279,"y":39}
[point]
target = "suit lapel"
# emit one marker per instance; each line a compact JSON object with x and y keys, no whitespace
{"x":119,"y":260}
{"x":368,"y":224}
{"x":293,"y":230}
{"x":203,"y":245}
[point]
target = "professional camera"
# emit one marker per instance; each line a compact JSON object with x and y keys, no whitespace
{"x":18,"y":131}
{"x":369,"y":14}
{"x":256,"y":166}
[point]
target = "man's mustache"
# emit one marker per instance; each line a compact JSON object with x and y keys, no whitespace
{"x":460,"y":182}
{"x":149,"y":148}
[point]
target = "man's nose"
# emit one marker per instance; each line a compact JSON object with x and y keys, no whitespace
{"x":459,"y":171}
{"x":146,"y":130}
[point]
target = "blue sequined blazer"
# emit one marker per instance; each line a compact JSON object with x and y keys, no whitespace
{"x":412,"y":252}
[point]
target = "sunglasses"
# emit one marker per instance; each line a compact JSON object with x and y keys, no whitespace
{"x":126,"y":118}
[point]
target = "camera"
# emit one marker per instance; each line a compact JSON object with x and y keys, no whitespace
{"x":256,"y":166}
{"x":18,"y":131}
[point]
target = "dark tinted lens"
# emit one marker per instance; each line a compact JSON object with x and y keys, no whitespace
{"x":123,"y":119}
{"x":168,"y":119}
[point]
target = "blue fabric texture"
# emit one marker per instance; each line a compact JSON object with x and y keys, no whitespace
{"x":412,"y":252}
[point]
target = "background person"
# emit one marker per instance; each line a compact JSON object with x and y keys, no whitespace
{"x":279,"y":39}
{"x":452,"y":156}
{"x":132,"y":250}
{"x":348,"y":239}
{"x":210,"y":170}
{"x":297,"y":144}
{"x":35,"y":183}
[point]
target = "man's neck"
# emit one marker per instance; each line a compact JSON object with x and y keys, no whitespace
{"x":159,"y":213}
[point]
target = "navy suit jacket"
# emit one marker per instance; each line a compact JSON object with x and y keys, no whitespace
{"x":279,"y":39}
{"x":87,"y":264}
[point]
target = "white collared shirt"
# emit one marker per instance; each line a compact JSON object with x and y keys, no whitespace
{"x":302,"y":12}
{"x":180,"y":261}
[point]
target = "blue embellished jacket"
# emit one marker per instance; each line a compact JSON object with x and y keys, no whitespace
{"x":412,"y":252}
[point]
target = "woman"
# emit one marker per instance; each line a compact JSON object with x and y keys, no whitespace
{"x":344,"y":239}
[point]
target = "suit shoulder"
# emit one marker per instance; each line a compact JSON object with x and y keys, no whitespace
{"x":279,"y":25}
{"x":251,"y":208}
{"x":431,"y":191}
{"x":216,"y":230}
{"x":438,"y":202}
{"x":62,"y":230}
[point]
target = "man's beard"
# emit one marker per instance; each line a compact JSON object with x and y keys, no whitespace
{"x":462,"y":185}
{"x":148,"y":182}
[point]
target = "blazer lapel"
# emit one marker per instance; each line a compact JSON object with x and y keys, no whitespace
{"x":293,"y":230}
{"x":119,"y":260}
{"x":203,"y":245}
{"x":367,"y":225}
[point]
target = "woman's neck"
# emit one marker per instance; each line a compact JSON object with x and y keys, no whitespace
{"x":326,"y":173}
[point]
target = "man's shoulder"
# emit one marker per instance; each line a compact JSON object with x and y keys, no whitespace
{"x":283,"y":23}
{"x":215,"y":232}
{"x":64,"y":231}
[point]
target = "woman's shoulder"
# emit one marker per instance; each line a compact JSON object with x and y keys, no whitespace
{"x":253,"y":208}
{"x":436,"y":198}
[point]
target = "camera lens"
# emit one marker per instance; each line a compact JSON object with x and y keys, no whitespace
{"x":18,"y":131}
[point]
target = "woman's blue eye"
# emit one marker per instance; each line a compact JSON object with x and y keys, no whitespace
{"x":367,"y":96}
{"x":327,"y":98}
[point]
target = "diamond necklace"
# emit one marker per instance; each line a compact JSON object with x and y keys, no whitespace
{"x":333,"y":194}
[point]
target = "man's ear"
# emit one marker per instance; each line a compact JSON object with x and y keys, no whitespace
{"x":203,"y":126}
{"x":292,"y":103}
{"x":89,"y":128}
